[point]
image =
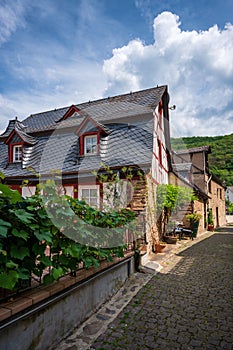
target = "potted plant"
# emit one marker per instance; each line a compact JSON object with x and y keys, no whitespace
{"x":169,"y":234}
{"x":194,"y":219}
{"x":210,"y":220}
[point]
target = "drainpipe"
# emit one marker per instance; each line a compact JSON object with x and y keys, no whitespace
{"x":204,"y":168}
{"x":207,"y":184}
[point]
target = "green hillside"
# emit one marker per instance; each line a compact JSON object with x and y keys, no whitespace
{"x":221,"y":156}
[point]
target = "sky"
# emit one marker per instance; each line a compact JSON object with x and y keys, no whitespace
{"x":55,"y":53}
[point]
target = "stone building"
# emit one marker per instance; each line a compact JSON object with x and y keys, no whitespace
{"x":192,"y":166}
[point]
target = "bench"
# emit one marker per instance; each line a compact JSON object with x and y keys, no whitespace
{"x":182,"y":231}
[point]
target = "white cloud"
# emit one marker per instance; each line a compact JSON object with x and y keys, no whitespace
{"x":197,"y":67}
{"x":6,"y":113}
{"x":65,"y":86}
{"x":11,"y":17}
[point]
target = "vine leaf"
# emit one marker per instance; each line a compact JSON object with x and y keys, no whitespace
{"x":24,"y":216}
{"x":14,"y":195}
{"x":24,"y":274}
{"x":19,"y":252}
{"x":43,"y":235}
{"x":8,"y":280}
{"x":4,"y":225}
{"x":11,"y":264}
{"x":21,"y":234}
{"x":48,"y":279}
{"x":57,"y":273}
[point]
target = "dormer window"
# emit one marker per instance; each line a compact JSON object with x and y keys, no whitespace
{"x":16,"y":140}
{"x":89,"y":133}
{"x":17,"y":153}
{"x":90,"y":144}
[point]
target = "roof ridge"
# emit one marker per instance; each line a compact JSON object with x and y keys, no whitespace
{"x":99,"y":99}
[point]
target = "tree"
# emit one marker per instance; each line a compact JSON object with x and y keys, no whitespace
{"x":169,"y":200}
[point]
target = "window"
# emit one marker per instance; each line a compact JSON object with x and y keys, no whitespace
{"x":28,"y":191}
{"x":219,"y":193}
{"x":184,"y":174}
{"x":160,"y":152}
{"x":90,"y":144}
{"x":69,"y":191}
{"x":90,"y":194}
{"x":210,"y":186}
{"x":17,"y":153}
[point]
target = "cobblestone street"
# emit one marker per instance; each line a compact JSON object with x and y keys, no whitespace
{"x":185,"y":306}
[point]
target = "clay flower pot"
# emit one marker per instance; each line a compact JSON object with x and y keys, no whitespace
{"x":159,"y":247}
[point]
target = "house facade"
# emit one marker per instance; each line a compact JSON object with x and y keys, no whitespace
{"x":81,"y":145}
{"x":229,"y":194}
{"x":192,"y":167}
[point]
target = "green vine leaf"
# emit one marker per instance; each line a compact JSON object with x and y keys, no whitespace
{"x":4,"y":226}
{"x":48,"y":279}
{"x":19,"y":252}
{"x":24,"y":216}
{"x":8,"y":280}
{"x":11,"y":265}
{"x":43,"y":235}
{"x":24,"y":274}
{"x":90,"y":261}
{"x":57,"y":273}
{"x":45,"y":261}
{"x":21,"y":234}
{"x":13,"y":195}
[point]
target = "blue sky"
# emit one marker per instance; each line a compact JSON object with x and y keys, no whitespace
{"x":55,"y":53}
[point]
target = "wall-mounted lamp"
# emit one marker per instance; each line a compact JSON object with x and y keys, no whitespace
{"x":172,"y":107}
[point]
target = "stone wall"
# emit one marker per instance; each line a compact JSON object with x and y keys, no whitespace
{"x":217,"y":203}
{"x":43,"y":325}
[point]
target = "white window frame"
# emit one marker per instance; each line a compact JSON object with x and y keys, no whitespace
{"x":17,"y":153}
{"x":89,"y":187}
{"x":69,"y":191}
{"x":89,"y":137}
{"x":28,"y":191}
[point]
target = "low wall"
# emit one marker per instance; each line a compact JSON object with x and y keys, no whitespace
{"x":43,"y":326}
{"x":229,"y":219}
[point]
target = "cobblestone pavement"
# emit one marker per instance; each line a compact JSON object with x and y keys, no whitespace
{"x":185,"y":306}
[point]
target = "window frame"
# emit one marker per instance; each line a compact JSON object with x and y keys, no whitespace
{"x":13,"y":153}
{"x":89,"y":187}
{"x":86,"y":137}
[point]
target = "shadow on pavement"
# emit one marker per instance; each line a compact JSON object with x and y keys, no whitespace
{"x":190,"y":307}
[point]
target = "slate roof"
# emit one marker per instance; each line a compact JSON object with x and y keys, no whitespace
{"x":26,"y":138}
{"x":13,"y":125}
{"x":123,"y":146}
{"x":182,"y":166}
{"x":193,"y":150}
{"x":123,"y":143}
{"x":103,"y":110}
